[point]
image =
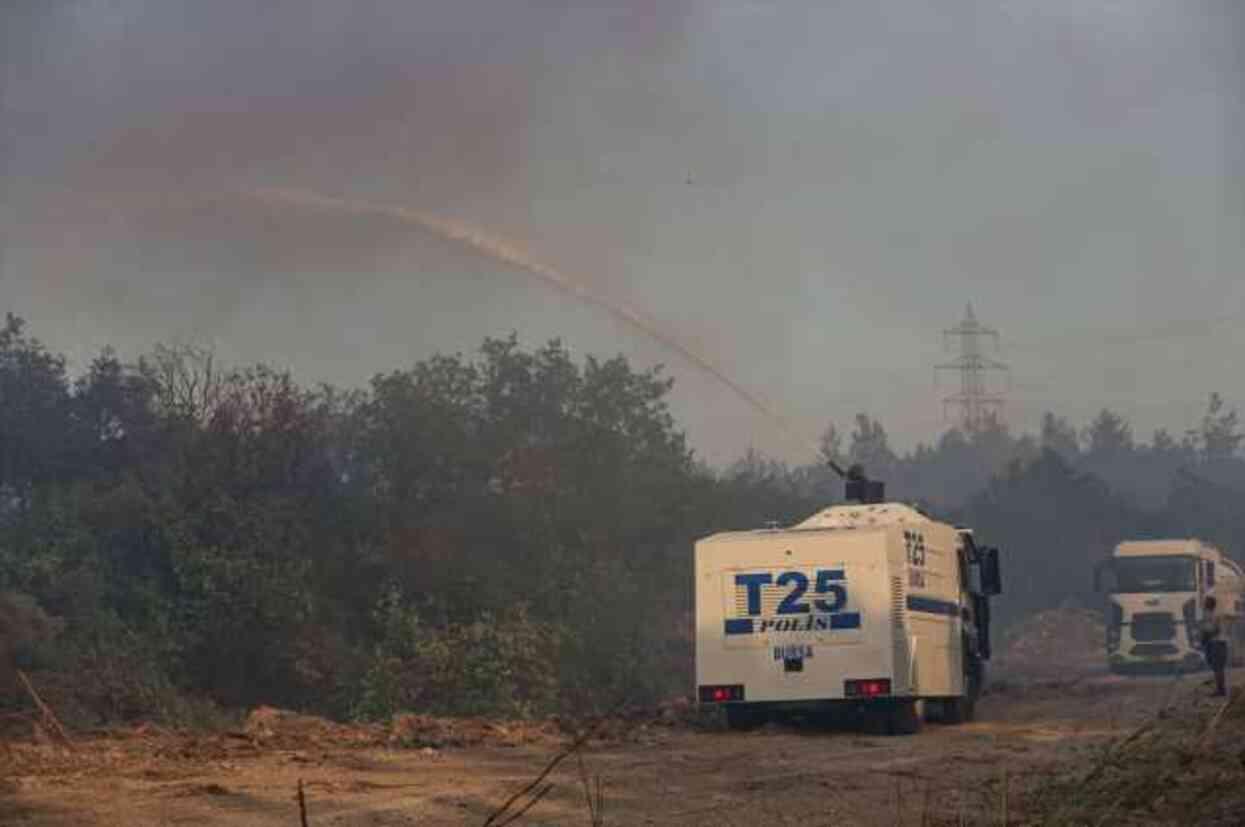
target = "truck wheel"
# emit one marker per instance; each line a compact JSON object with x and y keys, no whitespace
{"x":902,"y":719}
{"x":741,"y":717}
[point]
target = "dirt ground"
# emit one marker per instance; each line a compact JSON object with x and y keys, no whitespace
{"x":651,"y":773}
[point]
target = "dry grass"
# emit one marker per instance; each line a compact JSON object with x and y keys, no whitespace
{"x":1185,"y":766}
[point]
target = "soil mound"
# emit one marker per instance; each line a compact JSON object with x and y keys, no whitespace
{"x":1055,"y":643}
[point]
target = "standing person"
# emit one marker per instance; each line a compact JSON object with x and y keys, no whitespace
{"x":1214,"y":643}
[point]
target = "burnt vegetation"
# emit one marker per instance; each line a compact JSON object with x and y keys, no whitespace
{"x":507,"y":533}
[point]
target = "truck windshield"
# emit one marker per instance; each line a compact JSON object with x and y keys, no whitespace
{"x":1155,"y":574}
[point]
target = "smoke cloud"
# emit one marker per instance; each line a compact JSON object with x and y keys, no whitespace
{"x":508,"y":253}
{"x":802,"y":194}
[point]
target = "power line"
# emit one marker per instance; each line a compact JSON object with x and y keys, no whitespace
{"x":976,"y":403}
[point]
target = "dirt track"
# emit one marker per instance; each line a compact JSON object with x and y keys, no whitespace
{"x":652,"y":774}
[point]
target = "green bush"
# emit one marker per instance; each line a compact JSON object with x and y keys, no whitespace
{"x":498,"y":664}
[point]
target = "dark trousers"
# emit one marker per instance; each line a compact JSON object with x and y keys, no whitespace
{"x":1217,"y":659}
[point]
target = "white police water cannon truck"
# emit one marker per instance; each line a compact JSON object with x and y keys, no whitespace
{"x":862,"y":611}
{"x":1155,"y":591}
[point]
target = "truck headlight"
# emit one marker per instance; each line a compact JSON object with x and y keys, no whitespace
{"x":1115,"y":619}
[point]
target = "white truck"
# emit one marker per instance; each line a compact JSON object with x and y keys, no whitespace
{"x":1155,"y":590}
{"x":864,"y":609}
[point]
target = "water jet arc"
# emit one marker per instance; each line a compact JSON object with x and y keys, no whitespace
{"x":510,"y":254}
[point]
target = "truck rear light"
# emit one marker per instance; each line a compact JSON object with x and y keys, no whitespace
{"x":872,"y":688}
{"x":721,"y":694}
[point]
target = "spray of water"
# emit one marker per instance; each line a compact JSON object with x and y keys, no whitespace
{"x":514,"y":256}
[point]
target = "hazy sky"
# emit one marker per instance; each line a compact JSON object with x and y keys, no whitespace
{"x":807,"y":193}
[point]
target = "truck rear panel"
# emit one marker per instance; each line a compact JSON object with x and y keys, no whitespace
{"x":791,"y":616}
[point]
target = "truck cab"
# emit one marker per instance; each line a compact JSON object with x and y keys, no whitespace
{"x":1154,"y":591}
{"x":979,"y":581}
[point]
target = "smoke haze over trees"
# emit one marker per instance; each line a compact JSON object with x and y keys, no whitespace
{"x":508,"y":532}
{"x":878,"y":164}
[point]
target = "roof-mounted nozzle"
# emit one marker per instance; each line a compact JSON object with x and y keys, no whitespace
{"x":857,"y":487}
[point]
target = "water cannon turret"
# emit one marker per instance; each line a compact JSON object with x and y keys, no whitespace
{"x":857,"y":486}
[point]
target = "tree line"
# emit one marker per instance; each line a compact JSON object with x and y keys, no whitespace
{"x":503,"y":533}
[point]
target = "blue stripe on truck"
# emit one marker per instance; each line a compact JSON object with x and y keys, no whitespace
{"x":932,"y":605}
{"x":846,"y":620}
{"x":840,"y":620}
